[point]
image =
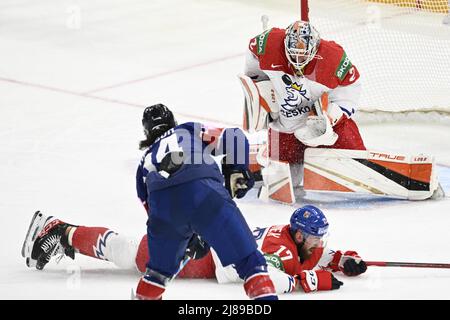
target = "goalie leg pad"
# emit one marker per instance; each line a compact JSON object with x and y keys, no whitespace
{"x":370,"y":172}
{"x":284,"y":150}
{"x":278,"y":184}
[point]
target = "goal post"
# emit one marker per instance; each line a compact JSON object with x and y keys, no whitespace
{"x":304,"y":10}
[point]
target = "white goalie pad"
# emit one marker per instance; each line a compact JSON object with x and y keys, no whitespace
{"x":278,"y":184}
{"x":259,"y":101}
{"x":411,"y":177}
{"x":277,"y":178}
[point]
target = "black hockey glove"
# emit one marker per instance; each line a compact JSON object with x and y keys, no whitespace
{"x":353,"y":268}
{"x":238,"y":180}
{"x":197,"y":248}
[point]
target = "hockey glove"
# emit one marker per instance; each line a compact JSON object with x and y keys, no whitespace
{"x":325,"y":108}
{"x":350,"y":263}
{"x":311,"y":280}
{"x":316,"y":132}
{"x":197,"y":247}
{"x":353,"y":268}
{"x":238,"y":180}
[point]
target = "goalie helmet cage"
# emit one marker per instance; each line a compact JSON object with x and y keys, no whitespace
{"x":401,"y":48}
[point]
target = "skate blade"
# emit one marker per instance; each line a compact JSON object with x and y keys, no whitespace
{"x":36,"y":215}
{"x":37,"y":224}
{"x":31,"y":263}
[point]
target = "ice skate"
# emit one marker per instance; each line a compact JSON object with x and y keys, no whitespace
{"x":45,"y":238}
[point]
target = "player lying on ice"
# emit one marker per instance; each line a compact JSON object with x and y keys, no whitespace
{"x":295,"y":253}
{"x":182,"y":188}
{"x":305,"y":91}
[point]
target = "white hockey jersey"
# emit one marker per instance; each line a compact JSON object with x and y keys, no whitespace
{"x":330,"y":72}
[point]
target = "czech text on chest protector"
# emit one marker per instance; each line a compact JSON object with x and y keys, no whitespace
{"x":296,"y":100}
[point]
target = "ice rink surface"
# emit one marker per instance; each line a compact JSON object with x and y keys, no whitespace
{"x":74,"y":79}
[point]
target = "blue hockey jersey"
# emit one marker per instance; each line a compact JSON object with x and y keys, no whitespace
{"x":195,"y":148}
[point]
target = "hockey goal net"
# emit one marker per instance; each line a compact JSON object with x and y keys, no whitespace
{"x":402,"y":49}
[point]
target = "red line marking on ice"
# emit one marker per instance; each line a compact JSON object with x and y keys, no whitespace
{"x":165,"y":73}
{"x":110,"y":100}
{"x":40,"y":86}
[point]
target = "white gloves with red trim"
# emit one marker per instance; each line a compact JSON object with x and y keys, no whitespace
{"x":311,"y":280}
{"x":316,"y":132}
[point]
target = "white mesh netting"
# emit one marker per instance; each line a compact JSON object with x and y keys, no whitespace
{"x":402,"y":49}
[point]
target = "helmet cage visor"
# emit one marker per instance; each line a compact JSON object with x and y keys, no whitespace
{"x":301,"y":43}
{"x":319,"y":241}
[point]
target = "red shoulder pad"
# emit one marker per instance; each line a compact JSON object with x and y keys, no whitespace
{"x":332,"y":67}
{"x":268,"y":47}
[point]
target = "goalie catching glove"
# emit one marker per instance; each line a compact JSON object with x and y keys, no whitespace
{"x":316,"y":132}
{"x":238,"y":179}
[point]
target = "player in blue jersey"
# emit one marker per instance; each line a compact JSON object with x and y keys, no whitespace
{"x":183,"y":190}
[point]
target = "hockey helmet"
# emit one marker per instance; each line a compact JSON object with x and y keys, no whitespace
{"x":301,"y":43}
{"x":156,"y":120}
{"x":311,"y":221}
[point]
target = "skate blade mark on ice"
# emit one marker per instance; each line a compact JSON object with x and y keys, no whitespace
{"x":36,"y":225}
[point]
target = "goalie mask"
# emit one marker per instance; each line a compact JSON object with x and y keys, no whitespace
{"x":301,"y":43}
